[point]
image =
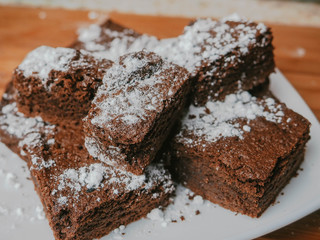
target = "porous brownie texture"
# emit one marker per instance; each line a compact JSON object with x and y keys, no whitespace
{"x":134,"y":110}
{"x":82,"y":198}
{"x":223,"y":56}
{"x":239,"y":152}
{"x":58,"y":84}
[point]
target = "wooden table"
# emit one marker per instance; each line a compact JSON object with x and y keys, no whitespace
{"x":297,"y":53}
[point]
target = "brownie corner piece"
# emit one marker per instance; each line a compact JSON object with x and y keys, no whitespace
{"x":239,"y":152}
{"x":134,"y":110}
{"x":58,"y":84}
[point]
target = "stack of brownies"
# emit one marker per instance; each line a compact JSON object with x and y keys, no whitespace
{"x":97,"y":121}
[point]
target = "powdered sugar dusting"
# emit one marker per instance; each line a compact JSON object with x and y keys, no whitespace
{"x":203,"y":42}
{"x":41,"y":61}
{"x":28,"y":131}
{"x":234,"y":18}
{"x":98,"y":175}
{"x":15,"y":123}
{"x":111,"y":44}
{"x":217,"y":119}
{"x":206,"y":40}
{"x":89,"y":177}
{"x":184,"y":207}
{"x":107,"y":154}
{"x":128,"y":95}
{"x":90,"y":34}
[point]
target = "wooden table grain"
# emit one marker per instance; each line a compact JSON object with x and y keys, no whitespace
{"x":297,"y":54}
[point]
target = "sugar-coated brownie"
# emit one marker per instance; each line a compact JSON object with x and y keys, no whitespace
{"x":58,"y":84}
{"x":82,"y":198}
{"x":134,"y":110}
{"x":223,"y":56}
{"x":111,"y":40}
{"x":239,"y":152}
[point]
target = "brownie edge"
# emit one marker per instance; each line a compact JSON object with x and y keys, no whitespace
{"x":58,"y":84}
{"x":240,"y":152}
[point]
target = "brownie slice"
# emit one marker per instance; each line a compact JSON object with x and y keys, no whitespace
{"x":111,"y":40}
{"x":223,"y":56}
{"x":58,"y":84}
{"x":82,"y":198}
{"x":240,"y":152}
{"x":134,"y":110}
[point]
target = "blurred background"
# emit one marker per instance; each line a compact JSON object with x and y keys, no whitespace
{"x":276,"y":11}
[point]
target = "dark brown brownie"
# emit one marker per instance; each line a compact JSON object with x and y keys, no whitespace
{"x":240,"y":152}
{"x":223,"y":56}
{"x":82,"y":198}
{"x":134,"y":110}
{"x":111,"y":40}
{"x":58,"y":84}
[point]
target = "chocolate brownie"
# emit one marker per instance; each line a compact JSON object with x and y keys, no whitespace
{"x":82,"y":198}
{"x":111,"y":40}
{"x":58,"y":84}
{"x":134,"y":110}
{"x":223,"y":56}
{"x":240,"y":152}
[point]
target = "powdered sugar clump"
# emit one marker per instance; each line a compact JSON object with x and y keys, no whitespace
{"x":89,"y":36}
{"x":217,"y":119}
{"x":12,"y":181}
{"x":233,"y":17}
{"x":184,"y":206}
{"x":98,"y":175}
{"x":41,"y":61}
{"x":155,"y":214}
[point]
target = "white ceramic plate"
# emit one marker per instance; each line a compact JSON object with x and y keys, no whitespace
{"x":21,"y":216}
